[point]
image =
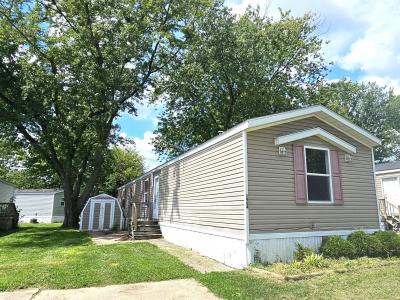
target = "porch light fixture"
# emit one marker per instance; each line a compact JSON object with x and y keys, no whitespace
{"x":282,"y":151}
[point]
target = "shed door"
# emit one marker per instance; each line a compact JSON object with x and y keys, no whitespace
{"x":101,"y":215}
{"x":391,"y":190}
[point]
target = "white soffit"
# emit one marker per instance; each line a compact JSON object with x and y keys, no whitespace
{"x":326,"y":136}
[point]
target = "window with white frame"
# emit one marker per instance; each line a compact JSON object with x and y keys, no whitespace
{"x":318,"y":174}
{"x":146,"y":191}
{"x":62,"y":203}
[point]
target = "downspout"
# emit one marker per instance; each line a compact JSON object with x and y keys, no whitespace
{"x":381,"y":227}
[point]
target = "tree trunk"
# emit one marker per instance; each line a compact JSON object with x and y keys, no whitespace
{"x":71,"y":207}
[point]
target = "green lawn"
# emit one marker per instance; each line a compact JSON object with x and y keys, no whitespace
{"x":46,"y":256}
{"x":49,"y":257}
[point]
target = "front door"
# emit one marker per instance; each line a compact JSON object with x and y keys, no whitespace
{"x":156,"y":196}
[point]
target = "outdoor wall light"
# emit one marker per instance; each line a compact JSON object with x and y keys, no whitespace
{"x":282,"y":151}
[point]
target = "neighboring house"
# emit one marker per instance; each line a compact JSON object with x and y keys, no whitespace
{"x":251,"y":193}
{"x":388,"y":181}
{"x":7,"y":191}
{"x":388,"y":192}
{"x":45,"y":205}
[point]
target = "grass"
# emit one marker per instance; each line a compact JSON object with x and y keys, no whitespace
{"x":47,"y":256}
{"x":374,"y":283}
{"x":298,"y":268}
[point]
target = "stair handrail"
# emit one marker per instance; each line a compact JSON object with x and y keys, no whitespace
{"x":388,"y":209}
{"x":134,"y":216}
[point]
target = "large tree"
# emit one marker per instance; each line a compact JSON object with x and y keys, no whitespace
{"x":68,"y":68}
{"x":235,"y":68}
{"x":370,"y":106}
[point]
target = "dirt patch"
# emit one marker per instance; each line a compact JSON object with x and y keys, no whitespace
{"x":103,"y":238}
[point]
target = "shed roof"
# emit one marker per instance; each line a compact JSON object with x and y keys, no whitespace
{"x":6,"y":182}
{"x":388,"y":166}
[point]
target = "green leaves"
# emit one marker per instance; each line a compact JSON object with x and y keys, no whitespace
{"x":235,"y":68}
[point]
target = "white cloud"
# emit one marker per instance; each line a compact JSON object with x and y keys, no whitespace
{"x":144,"y":147}
{"x":364,"y":34}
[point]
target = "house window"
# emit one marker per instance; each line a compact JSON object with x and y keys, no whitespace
{"x":62,"y":203}
{"x":318,"y":174}
{"x":146,"y":191}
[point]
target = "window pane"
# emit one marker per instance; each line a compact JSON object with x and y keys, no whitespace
{"x":318,"y":188}
{"x":317,"y":161}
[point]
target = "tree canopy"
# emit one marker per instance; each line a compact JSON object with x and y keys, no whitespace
{"x":234,"y":68}
{"x":68,"y":68}
{"x":370,"y":106}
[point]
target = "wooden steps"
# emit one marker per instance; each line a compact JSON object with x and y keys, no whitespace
{"x":146,"y":230}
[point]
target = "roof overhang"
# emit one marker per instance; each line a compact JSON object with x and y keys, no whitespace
{"x":388,"y":171}
{"x":322,"y":113}
{"x":326,"y":136}
{"x":318,"y":111}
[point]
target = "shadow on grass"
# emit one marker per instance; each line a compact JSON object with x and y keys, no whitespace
{"x":44,"y":237}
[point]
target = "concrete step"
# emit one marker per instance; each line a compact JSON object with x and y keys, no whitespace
{"x":147,"y":236}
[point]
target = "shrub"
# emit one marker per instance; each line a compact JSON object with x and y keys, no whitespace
{"x":367,"y":245}
{"x":390,"y":241}
{"x":336,"y":247}
{"x":314,"y":260}
{"x":34,"y":221}
{"x":301,"y":252}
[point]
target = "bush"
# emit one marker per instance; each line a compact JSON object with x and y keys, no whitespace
{"x":33,"y":221}
{"x":390,"y":241}
{"x":336,"y":247}
{"x":367,"y":245}
{"x":301,"y":252}
{"x":314,"y":260}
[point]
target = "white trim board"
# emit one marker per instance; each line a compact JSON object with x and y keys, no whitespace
{"x":319,"y":132}
{"x":318,"y":111}
{"x":283,"y":235}
{"x":387,"y":171}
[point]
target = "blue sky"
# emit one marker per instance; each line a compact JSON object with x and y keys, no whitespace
{"x":364,"y":45}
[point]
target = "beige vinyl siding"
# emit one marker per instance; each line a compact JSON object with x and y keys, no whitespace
{"x":206,"y":188}
{"x":378,"y":182}
{"x":86,"y":217}
{"x":7,"y":192}
{"x":271,"y":197}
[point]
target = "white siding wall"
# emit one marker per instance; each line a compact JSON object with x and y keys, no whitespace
{"x":35,"y":205}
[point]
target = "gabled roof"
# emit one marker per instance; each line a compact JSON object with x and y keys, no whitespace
{"x":318,"y":111}
{"x":390,"y":166}
{"x":103,"y":196}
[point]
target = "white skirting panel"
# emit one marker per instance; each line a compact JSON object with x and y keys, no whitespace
{"x":226,"y":248}
{"x":57,"y":219}
{"x":279,"y":247}
{"x":40,"y":219}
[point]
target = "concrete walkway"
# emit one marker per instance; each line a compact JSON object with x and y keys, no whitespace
{"x":170,"y":289}
{"x":191,"y":258}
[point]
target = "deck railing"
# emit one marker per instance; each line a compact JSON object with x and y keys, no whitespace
{"x":388,"y":209}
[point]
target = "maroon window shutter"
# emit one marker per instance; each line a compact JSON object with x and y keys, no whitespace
{"x":336,"y":178}
{"x":299,"y":174}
